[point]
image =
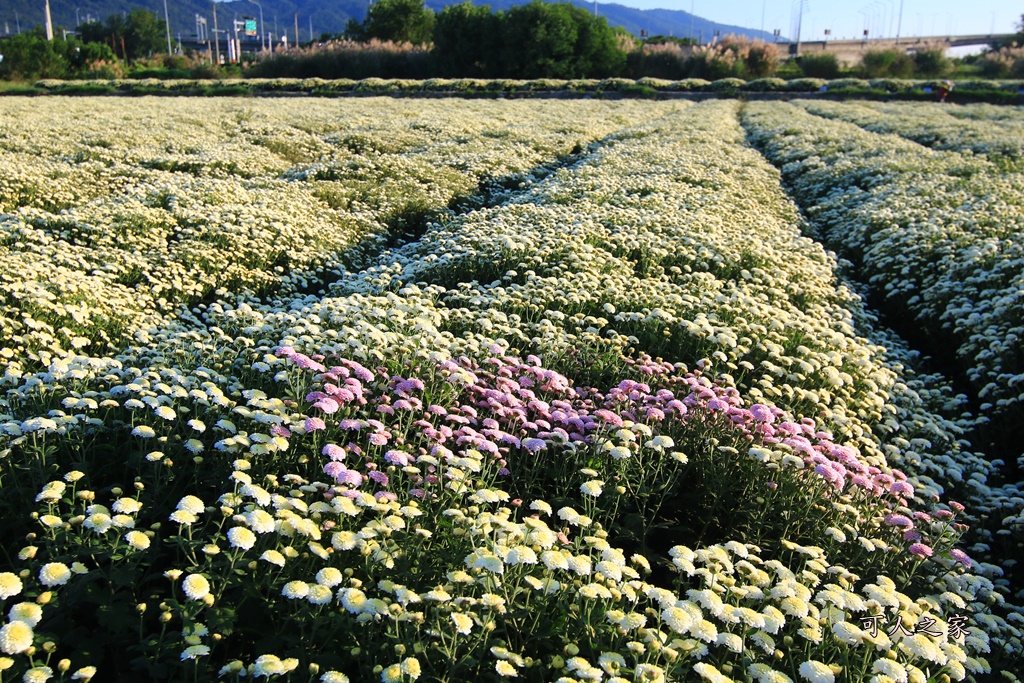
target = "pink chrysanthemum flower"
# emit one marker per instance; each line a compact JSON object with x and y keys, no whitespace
{"x":920,"y":550}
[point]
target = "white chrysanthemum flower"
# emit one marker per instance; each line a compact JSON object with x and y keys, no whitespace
{"x":710,"y":673}
{"x":242,"y":538}
{"x":267,"y":666}
{"x":196,"y":586}
{"x":890,"y":668}
{"x":191,"y":504}
{"x":580,"y":564}
{"x":592,"y":488}
{"x":165,"y":412}
{"x":15,"y":637}
{"x":817,"y":672}
{"x":521,"y":555}
{"x":99,"y":522}
{"x":37,"y":674}
{"x":411,"y":667}
{"x":194,"y":652}
{"x":54,"y":574}
{"x":541,"y":506}
{"x":505,"y":669}
{"x":29,"y":612}
{"x":329,"y":576}
{"x":144,"y":432}
{"x":261,"y":521}
{"x":555,"y":559}
{"x":353,"y":600}
{"x":137,"y":540}
{"x":730,"y":641}
{"x":765,"y":674}
{"x":273,"y":557}
{"x":194,"y":446}
{"x":921,"y":646}
{"x":463,"y":623}
{"x":334,"y":677}
{"x":10,"y":585}
{"x":197,"y":425}
{"x":319,"y":594}
{"x":295,"y":590}
{"x":84,"y":674}
{"x":126,"y":506}
{"x":847,"y":632}
{"x":678,"y":619}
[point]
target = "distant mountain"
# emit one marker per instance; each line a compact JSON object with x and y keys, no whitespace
{"x":327,"y":17}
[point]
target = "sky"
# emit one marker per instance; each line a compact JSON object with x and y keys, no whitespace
{"x":850,"y":19}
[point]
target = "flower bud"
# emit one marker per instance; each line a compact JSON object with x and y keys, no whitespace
{"x":45,"y":598}
{"x":165,"y":617}
{"x":63,"y":665}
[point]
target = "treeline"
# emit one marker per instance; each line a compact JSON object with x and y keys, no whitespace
{"x":98,"y":50}
{"x":404,"y":39}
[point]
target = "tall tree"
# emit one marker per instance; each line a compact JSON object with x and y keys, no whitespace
{"x":465,"y":40}
{"x":402,"y":21}
{"x":140,"y":33}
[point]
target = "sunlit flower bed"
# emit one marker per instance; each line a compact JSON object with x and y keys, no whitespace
{"x":938,"y":233}
{"x":461,"y":461}
{"x":114,"y":216}
{"x":941,"y":126}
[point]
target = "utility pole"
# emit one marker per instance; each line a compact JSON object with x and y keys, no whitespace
{"x":296,"y":29}
{"x":799,"y":26}
{"x":49,"y":22}
{"x":691,"y":23}
{"x":216,"y":34}
{"x":167,"y":26}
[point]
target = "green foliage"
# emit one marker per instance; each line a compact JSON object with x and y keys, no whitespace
{"x":29,"y":56}
{"x":891,"y":63}
{"x":820,"y":65}
{"x":544,"y":40}
{"x":538,"y":40}
{"x":464,"y":35}
{"x":400,"y":21}
{"x":138,"y":34}
{"x":932,"y":63}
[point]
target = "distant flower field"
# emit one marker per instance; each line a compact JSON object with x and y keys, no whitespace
{"x":474,"y":390}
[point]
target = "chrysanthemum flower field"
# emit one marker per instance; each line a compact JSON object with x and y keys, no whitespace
{"x":475,"y":390}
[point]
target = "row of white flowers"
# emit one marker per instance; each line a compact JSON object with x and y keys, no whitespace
{"x":326,"y":475}
{"x":959,"y":128}
{"x":115,"y":214}
{"x":938,"y":233}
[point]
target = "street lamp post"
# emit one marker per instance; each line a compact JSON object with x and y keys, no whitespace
{"x":899,"y":24}
{"x":263,"y":27}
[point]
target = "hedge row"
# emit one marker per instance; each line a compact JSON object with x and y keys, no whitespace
{"x":319,"y":86}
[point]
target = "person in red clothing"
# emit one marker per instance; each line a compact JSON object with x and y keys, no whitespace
{"x":944,"y":89}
